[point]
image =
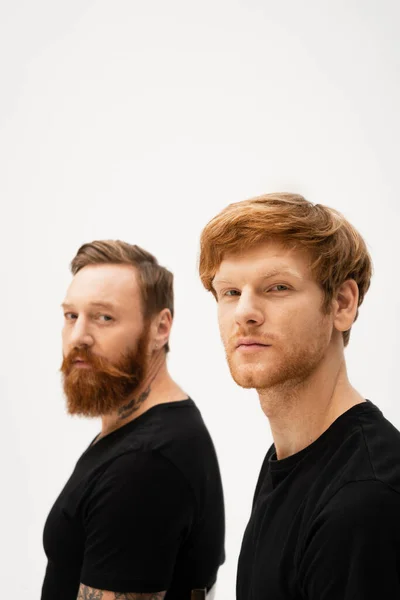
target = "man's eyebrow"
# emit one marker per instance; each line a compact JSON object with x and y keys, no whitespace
{"x":277,"y":272}
{"x":66,"y":305}
{"x":273,"y":273}
{"x":215,"y":280}
{"x":104,"y":305}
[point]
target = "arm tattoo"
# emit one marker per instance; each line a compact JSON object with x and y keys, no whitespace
{"x":89,"y":593}
{"x":128,"y":409}
{"x":155,"y":596}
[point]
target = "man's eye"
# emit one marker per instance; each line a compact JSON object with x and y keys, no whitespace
{"x":70,"y":316}
{"x":280,"y":288}
{"x":230,"y":293}
{"x":105,"y":318}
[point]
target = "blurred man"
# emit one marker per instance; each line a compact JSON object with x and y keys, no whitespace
{"x":289,"y":277}
{"x":142,"y":514}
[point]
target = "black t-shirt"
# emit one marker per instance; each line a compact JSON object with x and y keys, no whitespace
{"x":142,"y":512}
{"x":325,"y":523}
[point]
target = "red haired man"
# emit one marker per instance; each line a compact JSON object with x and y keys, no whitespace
{"x":289,"y":277}
{"x":142,"y":515}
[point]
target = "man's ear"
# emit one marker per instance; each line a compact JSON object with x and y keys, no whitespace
{"x":161,"y":329}
{"x":345,"y":305}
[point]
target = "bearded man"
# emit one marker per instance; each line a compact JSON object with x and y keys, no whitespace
{"x":289,"y":277}
{"x":142,"y":515}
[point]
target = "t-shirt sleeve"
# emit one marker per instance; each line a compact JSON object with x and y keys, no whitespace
{"x":352,"y":551}
{"x":138,"y":515}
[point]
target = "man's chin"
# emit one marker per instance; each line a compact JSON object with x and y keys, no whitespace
{"x":249,"y":379}
{"x":91,"y":405}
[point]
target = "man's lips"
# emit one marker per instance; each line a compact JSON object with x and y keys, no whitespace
{"x":250,"y":342}
{"x":250,"y":345}
{"x":81,"y":363}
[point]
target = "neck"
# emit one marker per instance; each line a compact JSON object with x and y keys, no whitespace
{"x":300,"y":412}
{"x":156,"y":388}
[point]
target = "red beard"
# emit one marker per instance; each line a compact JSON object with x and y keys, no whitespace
{"x":103,"y":387}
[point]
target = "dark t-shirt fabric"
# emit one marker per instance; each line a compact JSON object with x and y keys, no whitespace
{"x":325,"y":522}
{"x":143,"y":511}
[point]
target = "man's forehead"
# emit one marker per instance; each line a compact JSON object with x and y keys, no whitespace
{"x":103,"y":283}
{"x":264,"y":260}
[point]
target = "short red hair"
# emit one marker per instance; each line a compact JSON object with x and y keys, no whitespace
{"x":337,"y":250}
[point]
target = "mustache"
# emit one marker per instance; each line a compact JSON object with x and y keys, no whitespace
{"x":98,"y":363}
{"x":262,"y":338}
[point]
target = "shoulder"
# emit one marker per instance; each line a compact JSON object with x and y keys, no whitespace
{"x":360,"y":507}
{"x":365,"y":496}
{"x":382,"y":445}
{"x":352,"y":546}
{"x":145,"y":466}
{"x":139,"y":483}
{"x":140,"y":479}
{"x":176,"y":424}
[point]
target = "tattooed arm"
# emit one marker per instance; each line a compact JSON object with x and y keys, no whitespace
{"x":89,"y":593}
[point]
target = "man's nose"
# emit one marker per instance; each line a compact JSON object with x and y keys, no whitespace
{"x":249,"y":310}
{"x":81,"y":335}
